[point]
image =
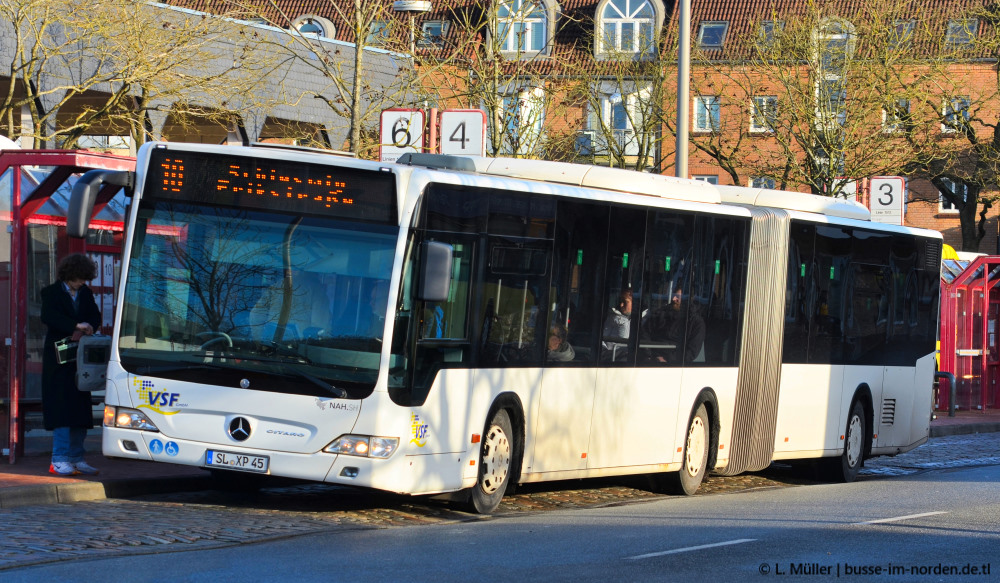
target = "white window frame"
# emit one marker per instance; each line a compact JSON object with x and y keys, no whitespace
{"x":308,"y":21}
{"x":891,"y":123}
{"x":378,"y":32}
{"x":526,"y":124}
{"x":766,"y":182}
{"x":428,"y":40}
{"x":709,"y":178}
{"x":768,"y":31}
{"x":945,"y":206}
{"x":522,"y":22}
{"x":949,"y":111}
{"x":630,"y":14}
{"x":707,"y":114}
{"x":763,"y":108}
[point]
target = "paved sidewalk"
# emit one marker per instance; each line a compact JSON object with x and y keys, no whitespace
{"x":28,"y":483}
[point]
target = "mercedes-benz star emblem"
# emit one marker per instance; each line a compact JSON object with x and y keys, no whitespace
{"x":239,"y":429}
{"x":245,"y":384}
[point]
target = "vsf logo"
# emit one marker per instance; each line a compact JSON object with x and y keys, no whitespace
{"x":163,"y":399}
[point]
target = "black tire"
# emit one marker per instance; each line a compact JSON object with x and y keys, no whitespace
{"x":846,"y":466}
{"x":696,"y":444}
{"x":495,"y":465}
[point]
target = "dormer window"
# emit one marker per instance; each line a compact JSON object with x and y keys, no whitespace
{"x":522,"y":26}
{"x":627,"y":26}
{"x":315,"y":26}
{"x":961,"y":32}
{"x":432,"y":33}
{"x":712,"y":34}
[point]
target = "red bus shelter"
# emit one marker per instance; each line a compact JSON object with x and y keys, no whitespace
{"x":970,"y":317}
{"x":34,"y":195}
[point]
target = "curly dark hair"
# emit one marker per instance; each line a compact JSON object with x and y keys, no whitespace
{"x":76,"y":266}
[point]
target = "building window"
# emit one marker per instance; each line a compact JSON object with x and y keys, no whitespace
{"x":520,"y":118}
{"x":315,"y":26}
{"x":960,"y":189}
{"x":522,"y":26}
{"x":712,"y":35}
{"x":961,"y":32}
{"x":895,"y":116}
{"x":709,"y":178}
{"x":432,"y":33}
{"x":767,"y":33}
{"x":901,"y":36}
{"x":762,"y":182}
{"x":831,"y":102}
{"x":627,"y":27}
{"x":621,"y":125}
{"x":706,"y":113}
{"x":378,"y":33}
{"x":764,"y":114}
{"x":956,"y":114}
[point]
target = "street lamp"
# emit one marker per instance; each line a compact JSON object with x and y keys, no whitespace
{"x":412,"y":7}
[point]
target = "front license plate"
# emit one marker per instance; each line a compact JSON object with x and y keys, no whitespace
{"x":236,"y":461}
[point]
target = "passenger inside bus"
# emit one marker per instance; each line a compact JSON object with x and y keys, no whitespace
{"x":673,"y":330}
{"x":616,"y":328}
{"x":559,"y":349}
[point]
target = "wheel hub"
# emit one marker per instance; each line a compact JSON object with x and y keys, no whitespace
{"x":695,"y":450}
{"x":496,"y":460}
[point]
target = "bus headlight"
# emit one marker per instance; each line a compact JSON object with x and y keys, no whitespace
{"x":364,"y":445}
{"x":127,"y":418}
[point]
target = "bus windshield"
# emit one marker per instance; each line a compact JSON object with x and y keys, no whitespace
{"x":253,"y":299}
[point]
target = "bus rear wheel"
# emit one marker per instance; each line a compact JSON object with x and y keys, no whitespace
{"x":495,"y":461}
{"x":695,"y":464}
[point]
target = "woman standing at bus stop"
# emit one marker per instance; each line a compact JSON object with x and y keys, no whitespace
{"x":68,"y":310}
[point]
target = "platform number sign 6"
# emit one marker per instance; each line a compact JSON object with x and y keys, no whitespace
{"x":401,"y":132}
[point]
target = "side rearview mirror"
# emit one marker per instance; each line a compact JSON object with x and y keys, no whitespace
{"x":85,"y":191}
{"x":435,"y":271}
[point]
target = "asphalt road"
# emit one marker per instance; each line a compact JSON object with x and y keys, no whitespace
{"x":924,"y":525}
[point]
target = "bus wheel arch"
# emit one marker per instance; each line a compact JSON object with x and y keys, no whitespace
{"x":701,"y":442}
{"x":858,"y":432}
{"x":500,"y":453}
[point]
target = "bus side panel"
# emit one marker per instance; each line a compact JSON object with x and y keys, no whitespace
{"x":635,"y":416}
{"x":923,"y":396}
{"x":809,"y":415}
{"x":895,"y":408}
{"x":721,"y":381}
{"x":854,"y":377}
{"x":559,"y":425}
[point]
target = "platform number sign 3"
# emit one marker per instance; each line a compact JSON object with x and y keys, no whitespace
{"x":886,"y":197}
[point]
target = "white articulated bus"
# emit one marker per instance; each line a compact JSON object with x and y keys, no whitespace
{"x":463,"y":325}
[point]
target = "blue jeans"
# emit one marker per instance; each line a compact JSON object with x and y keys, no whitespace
{"x":67,"y":444}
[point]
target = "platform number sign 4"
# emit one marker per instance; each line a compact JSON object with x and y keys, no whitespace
{"x":402,"y":131}
{"x":886,"y":195}
{"x":463,"y":132}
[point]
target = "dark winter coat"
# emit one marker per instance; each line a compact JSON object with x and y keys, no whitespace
{"x":62,"y":404}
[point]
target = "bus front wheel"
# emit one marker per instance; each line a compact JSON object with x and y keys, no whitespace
{"x":695,"y":463}
{"x":495,"y":461}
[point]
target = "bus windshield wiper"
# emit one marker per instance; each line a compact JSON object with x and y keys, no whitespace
{"x":338,"y":392}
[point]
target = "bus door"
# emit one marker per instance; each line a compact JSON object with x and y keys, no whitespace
{"x":562,"y":419}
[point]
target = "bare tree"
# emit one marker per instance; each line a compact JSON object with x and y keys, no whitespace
{"x":812,"y":99}
{"x":105,"y":67}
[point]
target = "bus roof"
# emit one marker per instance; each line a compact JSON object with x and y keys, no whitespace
{"x":630,"y":181}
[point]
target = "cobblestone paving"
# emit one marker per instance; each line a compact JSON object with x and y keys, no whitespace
{"x":201,"y":520}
